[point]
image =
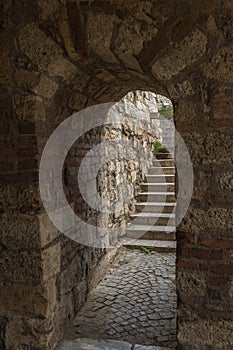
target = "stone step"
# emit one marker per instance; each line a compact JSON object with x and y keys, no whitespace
{"x":167,"y":125}
{"x":158,"y":187}
{"x":92,"y":344}
{"x":163,"y":163}
{"x":164,"y":156}
{"x":161,"y":178}
{"x":150,"y":347}
{"x":169,"y":139}
{"x":156,"y":197}
{"x":169,"y":146}
{"x":98,"y":344}
{"x":158,"y":246}
{"x":163,"y":219}
{"x":155,"y":207}
{"x":161,"y":170}
{"x":167,"y":233}
{"x":161,"y":236}
{"x":162,"y":150}
{"x":169,"y":134}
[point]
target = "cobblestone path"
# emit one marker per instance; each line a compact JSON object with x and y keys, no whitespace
{"x":136,"y":302}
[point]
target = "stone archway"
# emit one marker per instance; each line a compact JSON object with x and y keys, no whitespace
{"x":61,"y":57}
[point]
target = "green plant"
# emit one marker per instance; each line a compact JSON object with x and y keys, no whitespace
{"x":157,"y":145}
{"x":166,"y":112}
{"x":125,"y":262}
{"x":145,"y":249}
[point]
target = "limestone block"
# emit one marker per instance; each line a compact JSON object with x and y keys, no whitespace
{"x":134,"y":176}
{"x":46,"y":87}
{"x":62,"y":317}
{"x":181,"y":90}
{"x":77,"y":101}
{"x":103,"y":220}
{"x":51,"y":261}
{"x":18,"y":197}
{"x":192,"y":284}
{"x":226,"y":181}
{"x":26,"y":80}
{"x":48,"y":232}
{"x":231,"y":290}
{"x":19,"y":231}
{"x":65,"y":32}
{"x":218,"y":147}
{"x":28,"y":300}
{"x":5,"y":73}
{"x":191,"y":48}
{"x":211,"y":26}
{"x":21,"y":332}
{"x":205,"y":333}
{"x":38,"y":47}
{"x":79,"y":80}
{"x":23,"y":231}
{"x":63,"y":68}
{"x":50,"y":9}
{"x":28,"y":265}
{"x":80,"y":293}
{"x":131,"y":165}
{"x":130,"y":39}
{"x":223,"y":105}
{"x":214,"y":147}
{"x":29,"y":107}
{"x":214,"y":218}
{"x":186,"y":112}
{"x":220,"y":67}
{"x":100,"y":26}
{"x":44,"y":52}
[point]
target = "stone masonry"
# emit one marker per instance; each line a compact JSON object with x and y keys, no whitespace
{"x":58,"y":57}
{"x":120,"y":173}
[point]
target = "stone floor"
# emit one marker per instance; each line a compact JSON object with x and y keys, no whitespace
{"x":91,"y":344}
{"x":135,"y":303}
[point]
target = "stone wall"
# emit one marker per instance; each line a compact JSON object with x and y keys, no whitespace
{"x":99,"y":158}
{"x":119,"y":181}
{"x":53,"y":287}
{"x":59,"y":57}
{"x":78,"y":265}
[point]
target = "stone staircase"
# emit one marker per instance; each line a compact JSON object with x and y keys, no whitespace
{"x":153,"y":224}
{"x":168,"y":133}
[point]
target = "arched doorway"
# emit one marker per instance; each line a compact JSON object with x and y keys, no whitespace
{"x":61,"y":58}
{"x":136,"y":301}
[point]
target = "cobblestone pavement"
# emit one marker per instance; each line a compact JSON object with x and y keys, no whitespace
{"x":136,"y":302}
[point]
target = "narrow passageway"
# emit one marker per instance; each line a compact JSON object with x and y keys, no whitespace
{"x":81,"y":101}
{"x":135,"y":303}
{"x":134,"y":307}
